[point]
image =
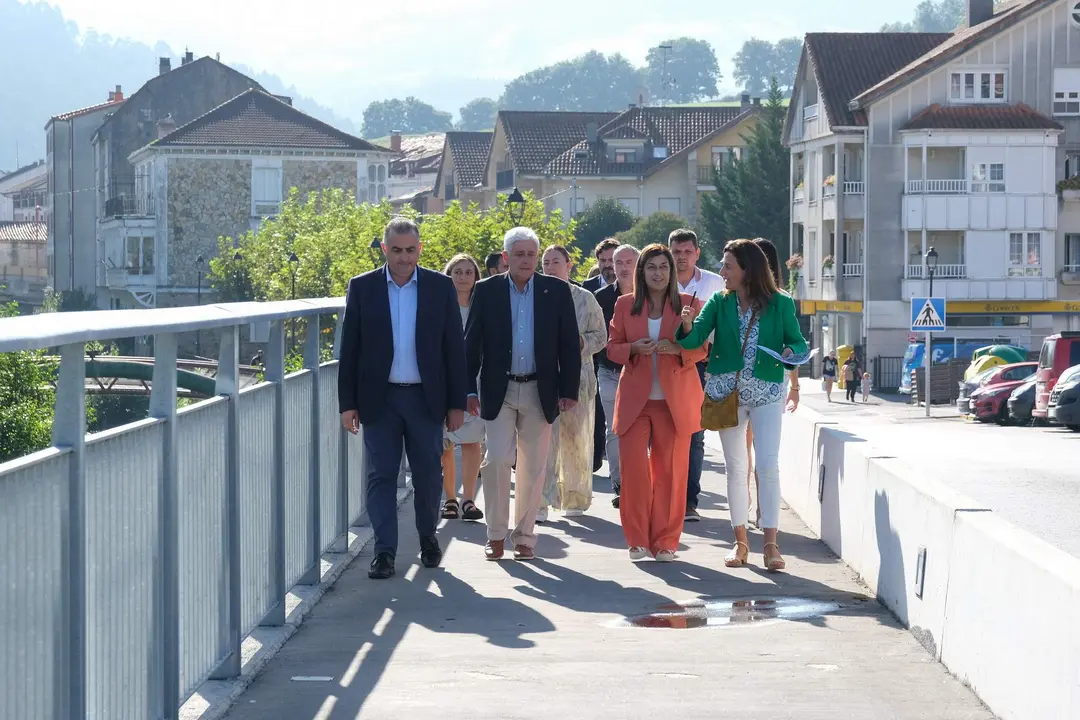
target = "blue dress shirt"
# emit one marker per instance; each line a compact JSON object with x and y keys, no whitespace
{"x":523,"y":357}
{"x":404,"y":369}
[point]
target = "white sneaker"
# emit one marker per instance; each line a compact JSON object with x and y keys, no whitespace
{"x":542,"y":515}
{"x":665,"y":556}
{"x":638,"y":553}
{"x":573,"y":513}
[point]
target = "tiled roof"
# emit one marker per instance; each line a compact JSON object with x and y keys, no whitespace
{"x":24,"y":232}
{"x":981,"y":117}
{"x":256,"y":119}
{"x":470,"y":152}
{"x":1005,"y":16}
{"x":846,"y":64}
{"x":88,"y":110}
{"x":536,"y":138}
{"x":677,"y":129}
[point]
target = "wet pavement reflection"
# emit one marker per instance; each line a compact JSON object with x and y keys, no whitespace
{"x":723,"y":612}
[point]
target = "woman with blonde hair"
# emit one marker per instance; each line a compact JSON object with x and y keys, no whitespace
{"x":657,"y":406}
{"x":465,"y":272}
{"x":751,"y":313}
{"x":568,"y":485}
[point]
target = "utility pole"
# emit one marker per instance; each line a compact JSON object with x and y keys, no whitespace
{"x":665,"y":50}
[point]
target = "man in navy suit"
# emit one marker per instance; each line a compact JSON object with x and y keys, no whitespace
{"x":402,"y":376}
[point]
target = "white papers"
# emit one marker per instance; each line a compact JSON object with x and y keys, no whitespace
{"x":793,"y":360}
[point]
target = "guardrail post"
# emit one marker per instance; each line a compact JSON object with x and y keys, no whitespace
{"x":69,"y":431}
{"x":275,"y":373}
{"x":311,"y":363}
{"x":167,"y":593}
{"x":228,"y":384}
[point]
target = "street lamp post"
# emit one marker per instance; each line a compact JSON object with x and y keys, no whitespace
{"x":198,"y":302}
{"x":237,"y":259}
{"x":930,"y":260}
{"x":515,"y":205}
{"x":294,"y":262}
{"x":375,"y":245}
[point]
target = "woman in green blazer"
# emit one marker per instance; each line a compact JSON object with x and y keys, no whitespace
{"x":754,"y":313}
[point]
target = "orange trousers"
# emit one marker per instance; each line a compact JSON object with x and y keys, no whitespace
{"x":654,"y":460}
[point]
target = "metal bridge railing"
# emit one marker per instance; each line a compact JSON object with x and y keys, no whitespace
{"x":136,"y":560}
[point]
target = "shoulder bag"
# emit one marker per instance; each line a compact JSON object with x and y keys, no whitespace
{"x":724,"y":414}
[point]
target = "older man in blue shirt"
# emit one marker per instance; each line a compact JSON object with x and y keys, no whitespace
{"x":521,"y":340}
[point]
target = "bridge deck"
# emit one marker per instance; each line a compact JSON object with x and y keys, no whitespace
{"x":508,"y":640}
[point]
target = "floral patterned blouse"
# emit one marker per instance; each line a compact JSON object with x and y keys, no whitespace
{"x":753,"y":391}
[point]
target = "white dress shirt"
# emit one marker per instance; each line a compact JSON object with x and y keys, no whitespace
{"x":404,"y":369}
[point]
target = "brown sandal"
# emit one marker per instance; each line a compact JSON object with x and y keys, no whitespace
{"x":451,"y":510}
{"x":735,"y":558}
{"x":777,"y":563}
{"x":470,"y":512}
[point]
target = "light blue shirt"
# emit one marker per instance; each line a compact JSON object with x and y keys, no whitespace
{"x":523,"y":356}
{"x":403,"y":320}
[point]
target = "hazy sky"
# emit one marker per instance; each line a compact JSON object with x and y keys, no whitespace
{"x":345,"y":53}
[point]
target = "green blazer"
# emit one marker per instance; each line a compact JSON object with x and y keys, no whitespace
{"x":778,"y":328}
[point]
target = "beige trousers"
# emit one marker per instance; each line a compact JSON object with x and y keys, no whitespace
{"x":520,"y":432}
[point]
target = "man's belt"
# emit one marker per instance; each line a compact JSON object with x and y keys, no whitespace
{"x":521,"y":378}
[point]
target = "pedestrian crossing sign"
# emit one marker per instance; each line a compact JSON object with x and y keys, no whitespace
{"x":928,"y":314}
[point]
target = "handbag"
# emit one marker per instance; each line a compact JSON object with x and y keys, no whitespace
{"x":724,"y":414}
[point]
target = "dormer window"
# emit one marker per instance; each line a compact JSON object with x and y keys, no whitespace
{"x":977,"y":86}
{"x":625,"y":156}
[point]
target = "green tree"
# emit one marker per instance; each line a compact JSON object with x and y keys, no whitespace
{"x":691,"y":71}
{"x":652,"y":229}
{"x":410,"y":115}
{"x":935,"y":16}
{"x":478,"y":114}
{"x":759,"y":60}
{"x":332,"y":237}
{"x":591,"y":82}
{"x":604,"y":218}
{"x":752,"y":197}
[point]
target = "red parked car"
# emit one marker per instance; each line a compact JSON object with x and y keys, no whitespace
{"x":1059,"y":353}
{"x":991,"y":401}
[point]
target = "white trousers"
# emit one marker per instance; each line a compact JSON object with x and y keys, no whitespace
{"x":767,"y":420}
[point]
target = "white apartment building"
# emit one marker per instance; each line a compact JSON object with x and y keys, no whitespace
{"x":957,"y":141}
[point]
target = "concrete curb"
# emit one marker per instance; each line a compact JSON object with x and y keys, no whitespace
{"x":965,"y":582}
{"x":214,"y":698}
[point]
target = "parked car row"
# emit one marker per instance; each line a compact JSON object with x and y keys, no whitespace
{"x":1026,"y":392}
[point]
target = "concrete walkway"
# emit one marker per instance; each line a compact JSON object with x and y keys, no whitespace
{"x":476,"y":639}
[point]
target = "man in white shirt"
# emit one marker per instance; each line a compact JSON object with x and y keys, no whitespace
{"x":693,"y":280}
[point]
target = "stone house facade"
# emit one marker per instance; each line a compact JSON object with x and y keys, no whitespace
{"x":221,"y":175}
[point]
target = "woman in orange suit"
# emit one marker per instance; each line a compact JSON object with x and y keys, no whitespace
{"x":657,"y":406}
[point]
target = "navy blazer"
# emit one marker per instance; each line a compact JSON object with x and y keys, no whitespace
{"x":593,"y":284}
{"x":488,"y":339}
{"x":367,"y":345}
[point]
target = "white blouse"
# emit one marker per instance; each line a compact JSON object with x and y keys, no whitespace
{"x":654,"y":333}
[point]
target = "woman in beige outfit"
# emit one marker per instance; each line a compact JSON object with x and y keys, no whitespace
{"x":569,"y":473}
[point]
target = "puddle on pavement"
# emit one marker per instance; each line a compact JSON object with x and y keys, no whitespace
{"x":721,"y":612}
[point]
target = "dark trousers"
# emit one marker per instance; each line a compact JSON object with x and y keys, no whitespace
{"x":697,"y":456}
{"x":406,"y":424}
{"x":850,"y":388}
{"x":599,"y":432}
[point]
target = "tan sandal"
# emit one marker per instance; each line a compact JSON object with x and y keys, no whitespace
{"x":736,"y":559}
{"x":777,"y":563}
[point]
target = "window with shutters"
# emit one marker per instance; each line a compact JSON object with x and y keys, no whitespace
{"x":266,"y":190}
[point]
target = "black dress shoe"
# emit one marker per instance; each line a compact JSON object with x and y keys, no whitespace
{"x":382,"y":567}
{"x":430,"y":552}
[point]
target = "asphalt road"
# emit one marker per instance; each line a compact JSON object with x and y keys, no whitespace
{"x":1030,"y":476}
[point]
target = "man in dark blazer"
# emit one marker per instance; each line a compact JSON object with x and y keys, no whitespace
{"x":605,"y":260}
{"x":402,"y":376}
{"x":522,"y":341}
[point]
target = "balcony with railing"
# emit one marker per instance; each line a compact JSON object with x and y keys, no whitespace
{"x":852,"y":269}
{"x":857,"y":187}
{"x":706,"y":174}
{"x":944,"y":271}
{"x":129,"y":196}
